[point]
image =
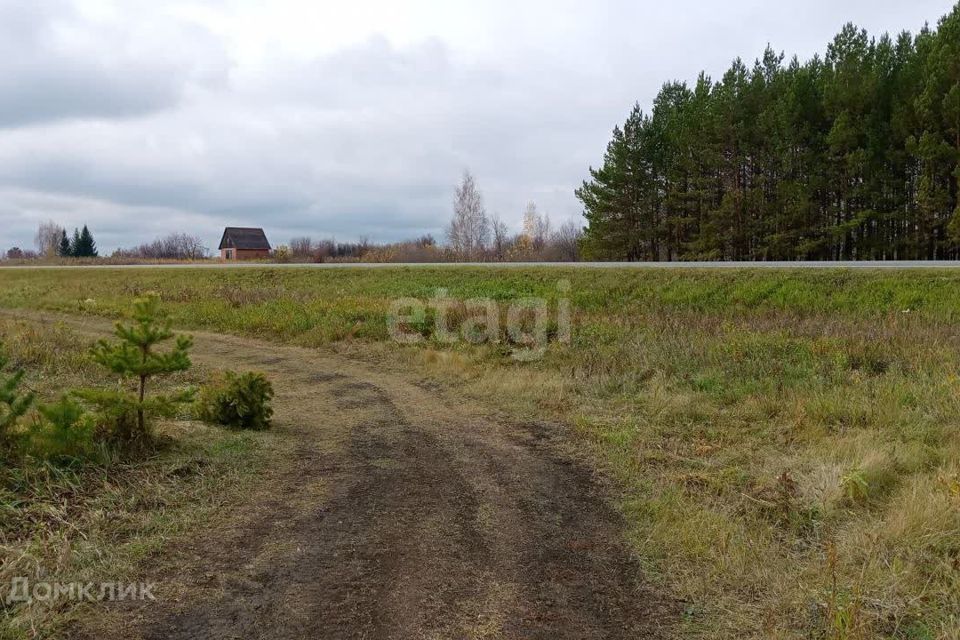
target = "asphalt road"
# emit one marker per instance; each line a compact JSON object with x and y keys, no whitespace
{"x":933,"y":264}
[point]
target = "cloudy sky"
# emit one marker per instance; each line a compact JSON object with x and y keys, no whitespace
{"x":350,"y":118}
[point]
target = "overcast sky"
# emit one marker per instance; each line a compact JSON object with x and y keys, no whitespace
{"x":350,"y":118}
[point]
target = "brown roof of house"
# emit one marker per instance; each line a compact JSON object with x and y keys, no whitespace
{"x":244,"y":238}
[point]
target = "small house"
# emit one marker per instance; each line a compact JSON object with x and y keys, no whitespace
{"x":242,"y":243}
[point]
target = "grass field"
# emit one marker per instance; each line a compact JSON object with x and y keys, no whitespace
{"x":788,"y":443}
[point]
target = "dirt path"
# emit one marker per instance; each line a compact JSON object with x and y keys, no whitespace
{"x":397,"y":514}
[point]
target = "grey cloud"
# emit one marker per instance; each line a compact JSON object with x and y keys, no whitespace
{"x":56,"y":65}
{"x":22,"y":210}
{"x":143,"y":125}
{"x":277,"y":151}
{"x":364,"y":141}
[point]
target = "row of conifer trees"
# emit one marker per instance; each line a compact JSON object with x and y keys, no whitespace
{"x":81,"y":246}
{"x":852,"y":155}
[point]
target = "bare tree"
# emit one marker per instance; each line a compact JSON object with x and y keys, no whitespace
{"x":302,"y":247}
{"x":48,"y":238}
{"x":565,"y":242}
{"x":500,"y":237}
{"x":325,"y":249}
{"x":193,"y":247}
{"x":469,"y":230}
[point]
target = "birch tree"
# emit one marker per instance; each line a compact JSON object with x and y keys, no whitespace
{"x":469,"y":230}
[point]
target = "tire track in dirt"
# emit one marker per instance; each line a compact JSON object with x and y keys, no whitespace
{"x":394,"y":514}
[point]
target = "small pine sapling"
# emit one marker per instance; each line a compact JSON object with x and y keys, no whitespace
{"x":135,"y":356}
{"x":14,"y":403}
{"x":63,"y":431}
{"x":241,"y":401}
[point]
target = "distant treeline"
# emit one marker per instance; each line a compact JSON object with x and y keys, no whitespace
{"x":855,"y":155}
{"x":472,"y":236}
{"x":174,"y":246}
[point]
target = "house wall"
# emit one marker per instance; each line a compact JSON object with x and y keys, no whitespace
{"x":246,"y":254}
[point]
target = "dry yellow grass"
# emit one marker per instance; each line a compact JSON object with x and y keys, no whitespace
{"x":787,"y":443}
{"x":827,"y":507}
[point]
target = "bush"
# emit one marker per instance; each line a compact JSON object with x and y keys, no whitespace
{"x":281,"y":254}
{"x":62,"y":432}
{"x":115,"y":419}
{"x":240,"y":401}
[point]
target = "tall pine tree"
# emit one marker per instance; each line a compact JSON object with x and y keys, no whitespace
{"x":83,"y":245}
{"x":64,"y":250}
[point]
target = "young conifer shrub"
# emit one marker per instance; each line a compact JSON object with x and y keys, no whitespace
{"x":62,"y":432}
{"x":240,"y":401}
{"x":14,"y":403}
{"x":136,"y":356}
